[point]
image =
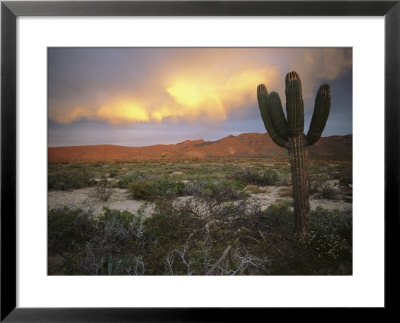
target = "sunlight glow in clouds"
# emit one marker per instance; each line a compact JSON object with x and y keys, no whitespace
{"x":200,"y":95}
{"x":127,"y":86}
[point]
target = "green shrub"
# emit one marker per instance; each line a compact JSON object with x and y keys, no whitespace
{"x":126,"y":218}
{"x":68,"y":228}
{"x":87,"y":243}
{"x":188,"y":236}
{"x":337,"y":222}
{"x":128,"y":265}
{"x":141,"y":190}
{"x":68,"y":180}
{"x":330,"y":238}
{"x":278,"y":217}
{"x":127,"y":179}
{"x":167,"y":186}
{"x":328,"y":192}
{"x":217,"y":190}
{"x":259,"y":177}
{"x":279,"y":208}
{"x":161,"y":187}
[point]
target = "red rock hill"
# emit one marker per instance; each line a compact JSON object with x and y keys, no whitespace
{"x":247,"y":145}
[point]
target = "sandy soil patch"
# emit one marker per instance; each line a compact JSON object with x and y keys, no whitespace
{"x":120,"y":199}
{"x":266,"y":199}
{"x":330,"y":204}
{"x":86,"y":200}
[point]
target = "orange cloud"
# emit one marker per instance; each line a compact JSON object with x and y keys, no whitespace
{"x":189,"y":97}
{"x":201,"y":84}
{"x":123,"y":112}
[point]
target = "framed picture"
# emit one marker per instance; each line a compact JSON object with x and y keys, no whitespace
{"x":145,"y":156}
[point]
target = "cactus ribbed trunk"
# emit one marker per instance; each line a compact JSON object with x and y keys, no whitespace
{"x":298,"y":157}
{"x":289,"y":133}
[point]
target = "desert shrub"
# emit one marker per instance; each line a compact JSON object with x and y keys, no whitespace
{"x":328,"y":247}
{"x":101,"y":245}
{"x":167,"y":186}
{"x":218,"y":190}
{"x":127,"y":179}
{"x":76,"y":165}
{"x":161,"y":187}
{"x":181,"y":243}
{"x":97,"y":164}
{"x":278,"y":217}
{"x":326,"y":250}
{"x":216,"y":227}
{"x":125,"y":218}
{"x":68,"y":228}
{"x":258,"y":177}
{"x":314,"y":187}
{"x":70,"y":179}
{"x":167,"y":230}
{"x":346,"y":180}
{"x":279,"y":208}
{"x":141,"y":190}
{"x":127,"y":265}
{"x":102,"y":190}
{"x":337,"y":222}
{"x":328,"y":192}
{"x":251,"y":189}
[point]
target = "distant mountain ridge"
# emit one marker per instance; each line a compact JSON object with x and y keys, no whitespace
{"x":246,"y":145}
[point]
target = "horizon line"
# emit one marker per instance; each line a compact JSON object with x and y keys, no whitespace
{"x":180,"y":142}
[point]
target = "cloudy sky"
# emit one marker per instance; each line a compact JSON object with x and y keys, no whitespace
{"x":145,"y":96}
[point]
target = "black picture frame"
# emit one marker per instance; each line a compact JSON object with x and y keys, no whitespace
{"x":10,"y":10}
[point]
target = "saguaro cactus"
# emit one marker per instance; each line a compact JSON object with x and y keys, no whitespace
{"x":289,"y":133}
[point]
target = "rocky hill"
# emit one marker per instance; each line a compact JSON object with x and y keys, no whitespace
{"x":246,"y":145}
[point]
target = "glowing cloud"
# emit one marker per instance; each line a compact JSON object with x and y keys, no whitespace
{"x":123,"y":112}
{"x":191,"y":93}
{"x":189,"y":97}
{"x":191,"y":84}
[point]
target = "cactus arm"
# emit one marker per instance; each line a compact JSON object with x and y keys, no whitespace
{"x":320,"y":114}
{"x":277,"y":116}
{"x":294,"y":108}
{"x":263,"y":103}
{"x":293,"y":75}
{"x":290,"y":134}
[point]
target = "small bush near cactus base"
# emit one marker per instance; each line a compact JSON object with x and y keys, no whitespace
{"x":330,"y":239}
{"x":328,"y":192}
